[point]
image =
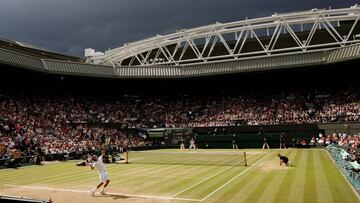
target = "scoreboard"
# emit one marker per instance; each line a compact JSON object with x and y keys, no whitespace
{"x":171,"y":136}
{"x":156,"y":133}
{"x":174,"y":136}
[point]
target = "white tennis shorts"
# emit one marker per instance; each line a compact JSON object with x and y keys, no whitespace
{"x":103,"y":176}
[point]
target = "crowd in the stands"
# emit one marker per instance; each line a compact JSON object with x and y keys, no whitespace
{"x":31,"y":123}
{"x":350,"y":143}
{"x":20,"y":138}
{"x":185,"y":111}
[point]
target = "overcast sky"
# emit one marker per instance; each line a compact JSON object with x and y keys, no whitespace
{"x":70,"y":26}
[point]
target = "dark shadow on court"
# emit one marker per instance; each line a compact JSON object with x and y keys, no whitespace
{"x":117,"y":196}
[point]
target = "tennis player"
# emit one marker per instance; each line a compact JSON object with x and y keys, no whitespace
{"x":99,"y":165}
{"x":283,"y":160}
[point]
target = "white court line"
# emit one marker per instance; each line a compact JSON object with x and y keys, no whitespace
{"x":234,"y":178}
{"x":88,"y":191}
{"x":215,"y":174}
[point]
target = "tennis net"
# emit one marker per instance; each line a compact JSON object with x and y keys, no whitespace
{"x":186,"y":158}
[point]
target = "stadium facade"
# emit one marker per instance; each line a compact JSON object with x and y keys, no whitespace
{"x":281,"y":41}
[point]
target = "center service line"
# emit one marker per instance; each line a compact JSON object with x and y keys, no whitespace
{"x":215,"y":174}
{"x":234,"y":178}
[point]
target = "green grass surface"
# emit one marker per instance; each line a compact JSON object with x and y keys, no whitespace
{"x":312,"y":178}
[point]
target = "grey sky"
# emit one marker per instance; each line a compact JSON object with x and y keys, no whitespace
{"x":69,"y":26}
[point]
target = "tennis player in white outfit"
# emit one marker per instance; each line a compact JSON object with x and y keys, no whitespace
{"x":99,"y":165}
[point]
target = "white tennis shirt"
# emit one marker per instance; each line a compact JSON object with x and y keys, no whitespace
{"x":99,"y":165}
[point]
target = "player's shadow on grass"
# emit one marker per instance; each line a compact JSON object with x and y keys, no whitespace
{"x":116,"y":196}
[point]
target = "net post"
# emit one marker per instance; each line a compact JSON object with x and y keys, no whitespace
{"x":245,"y":159}
{"x":126,"y":157}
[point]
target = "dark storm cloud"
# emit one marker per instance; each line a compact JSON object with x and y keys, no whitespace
{"x":69,"y":26}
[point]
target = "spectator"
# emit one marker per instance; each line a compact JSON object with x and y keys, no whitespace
{"x":49,"y":124}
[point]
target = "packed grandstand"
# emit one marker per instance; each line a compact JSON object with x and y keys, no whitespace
{"x":186,"y":111}
{"x":45,"y":120}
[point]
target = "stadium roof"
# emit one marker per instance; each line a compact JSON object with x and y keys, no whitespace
{"x":283,"y":61}
{"x":300,"y":39}
{"x":36,"y":51}
{"x":316,"y":29}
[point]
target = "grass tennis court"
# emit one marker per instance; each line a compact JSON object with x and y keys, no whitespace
{"x":312,"y":178}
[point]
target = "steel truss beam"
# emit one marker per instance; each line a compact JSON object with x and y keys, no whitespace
{"x":180,"y":48}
